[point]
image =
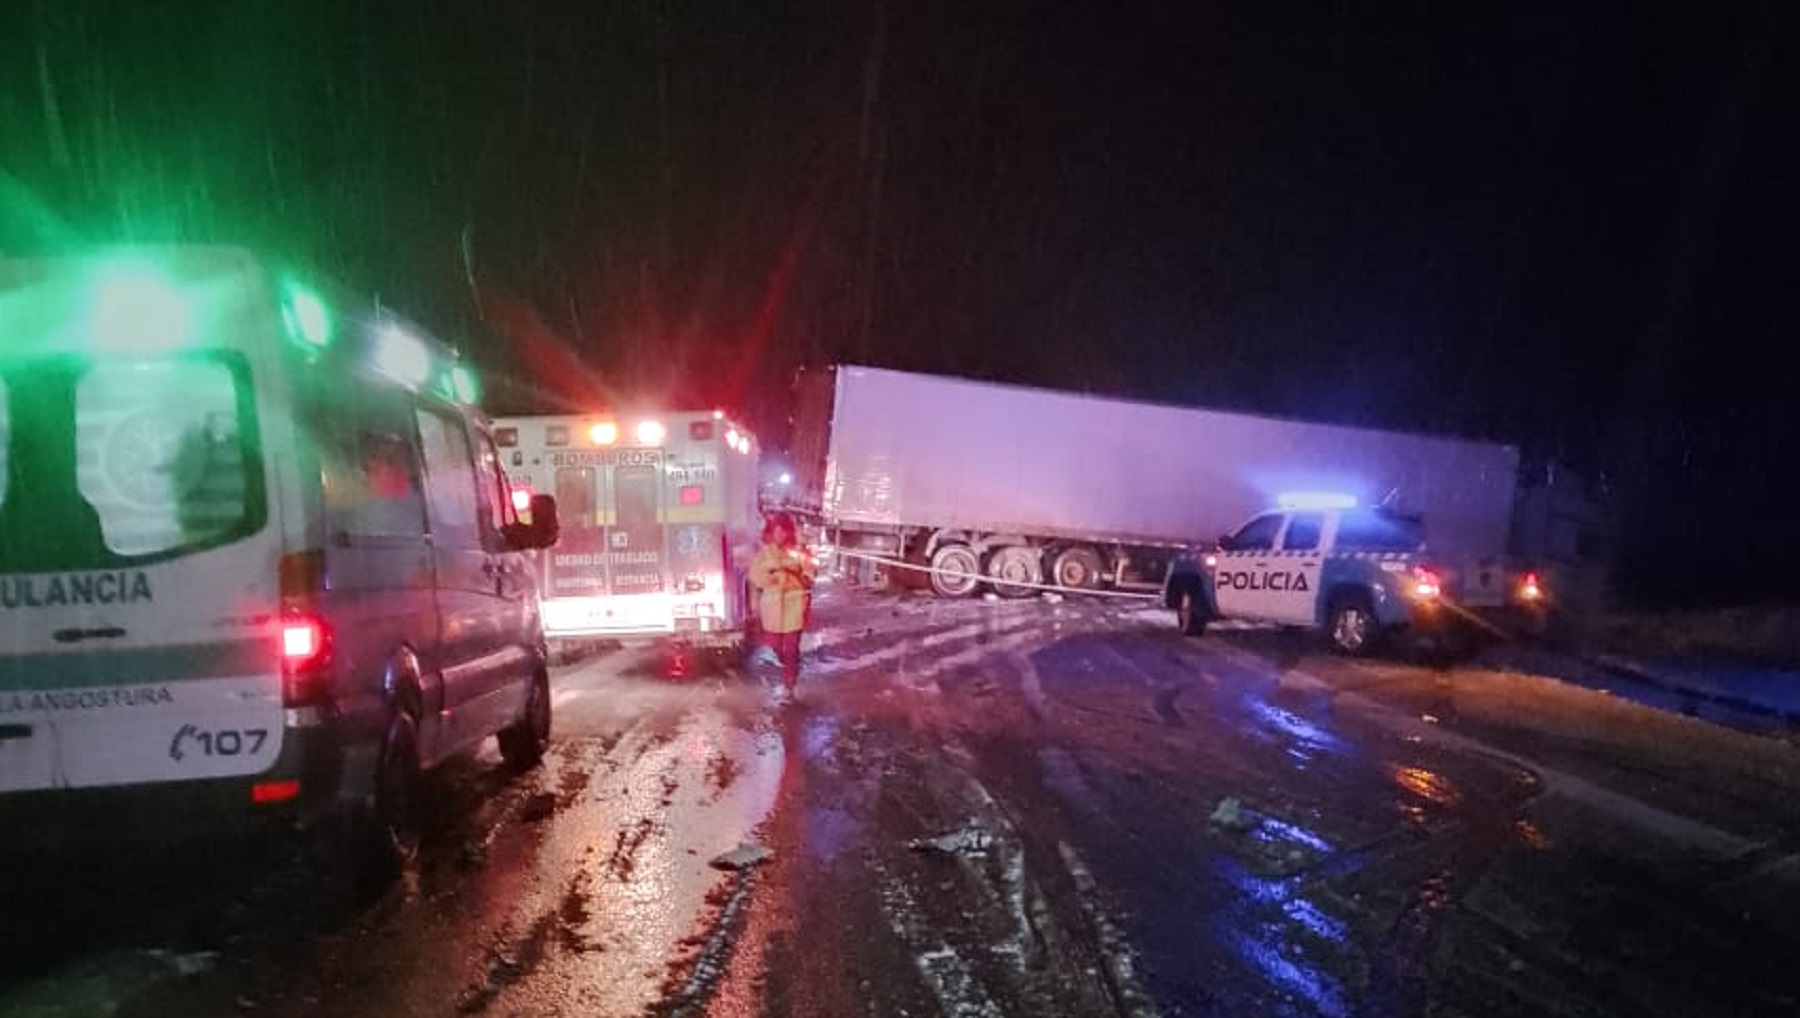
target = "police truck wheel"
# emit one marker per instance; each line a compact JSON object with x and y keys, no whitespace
{"x":955,"y":559}
{"x":1077,"y":567}
{"x":523,"y":743}
{"x":1011,"y":567}
{"x":1190,"y":614}
{"x":1352,"y":627}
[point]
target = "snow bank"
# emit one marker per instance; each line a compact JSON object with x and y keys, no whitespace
{"x":1766,"y":635}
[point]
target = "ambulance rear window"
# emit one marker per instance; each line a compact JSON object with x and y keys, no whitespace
{"x":575,"y":500}
{"x":123,"y":460}
{"x":634,"y":496}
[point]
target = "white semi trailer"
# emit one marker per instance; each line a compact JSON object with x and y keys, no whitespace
{"x":975,"y":484}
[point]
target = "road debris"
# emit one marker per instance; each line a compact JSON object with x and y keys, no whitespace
{"x":968,"y":841}
{"x":193,"y":963}
{"x":1229,"y":814}
{"x":742,"y":857}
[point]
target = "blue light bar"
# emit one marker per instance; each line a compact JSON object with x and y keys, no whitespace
{"x":1315,"y":500}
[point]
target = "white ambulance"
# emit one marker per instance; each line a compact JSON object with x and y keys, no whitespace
{"x":659,"y":519}
{"x":257,"y":554}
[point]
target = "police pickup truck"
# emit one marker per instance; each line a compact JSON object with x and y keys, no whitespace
{"x":1358,"y":573}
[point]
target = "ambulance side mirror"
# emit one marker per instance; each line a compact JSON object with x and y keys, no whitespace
{"x":544,"y":521}
{"x":541,"y":532}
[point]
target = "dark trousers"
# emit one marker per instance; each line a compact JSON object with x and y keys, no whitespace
{"x":787,"y":650}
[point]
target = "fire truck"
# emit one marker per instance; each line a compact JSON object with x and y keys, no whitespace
{"x":659,"y":519}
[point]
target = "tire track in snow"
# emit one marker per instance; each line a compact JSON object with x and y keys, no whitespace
{"x":1116,"y":955}
{"x":906,"y":650}
{"x":1040,"y":962}
{"x":951,"y":979}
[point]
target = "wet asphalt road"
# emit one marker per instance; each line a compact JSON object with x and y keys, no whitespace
{"x":998,"y":808}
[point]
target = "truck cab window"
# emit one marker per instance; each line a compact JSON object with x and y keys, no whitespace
{"x":1303,"y":532}
{"x":1258,"y":534}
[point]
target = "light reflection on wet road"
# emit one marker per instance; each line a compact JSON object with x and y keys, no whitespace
{"x":1025,"y":808}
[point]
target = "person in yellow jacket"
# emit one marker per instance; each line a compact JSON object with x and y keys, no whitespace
{"x":783,"y":574}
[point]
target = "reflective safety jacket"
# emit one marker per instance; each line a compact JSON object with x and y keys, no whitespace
{"x":785,"y":578}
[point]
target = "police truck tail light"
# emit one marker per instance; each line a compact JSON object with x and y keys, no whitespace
{"x":1426,"y":583}
{"x":1530,"y":590}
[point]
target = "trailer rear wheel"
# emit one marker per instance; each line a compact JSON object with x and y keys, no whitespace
{"x":1077,"y":566}
{"x":1010,"y":567}
{"x":957,"y":559}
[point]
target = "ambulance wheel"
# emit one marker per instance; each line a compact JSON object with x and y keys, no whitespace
{"x":522,"y":744}
{"x":1015,"y":570}
{"x":394,"y":825}
{"x":1077,"y":567}
{"x":956,"y":559}
{"x":1190,"y":614}
{"x":1352,"y":627}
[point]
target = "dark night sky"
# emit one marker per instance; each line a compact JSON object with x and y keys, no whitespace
{"x":1563,"y":225}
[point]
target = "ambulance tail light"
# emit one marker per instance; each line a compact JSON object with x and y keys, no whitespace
{"x":302,"y":640}
{"x":305,"y":659}
{"x":265,"y":792}
{"x":521,"y":499}
{"x":305,"y":635}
